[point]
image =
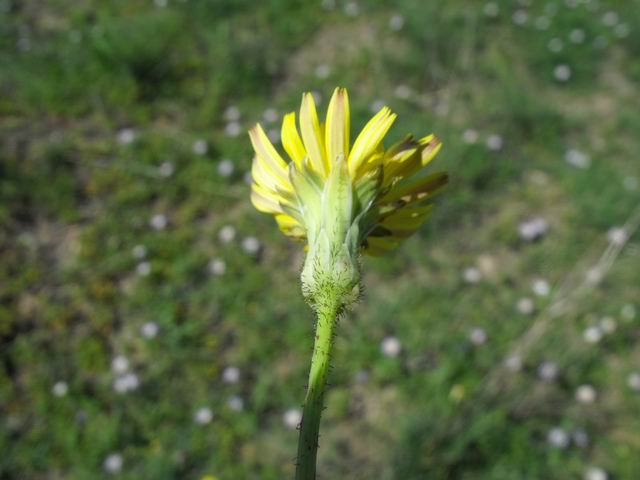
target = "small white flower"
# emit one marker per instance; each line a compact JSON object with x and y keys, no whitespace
{"x":494,"y":142}
{"x":159,"y":221}
{"x":577,"y":35}
{"x":231,"y":375}
{"x":120,"y":364}
{"x":361,"y":376}
{"x":391,"y":347}
{"x":149,"y":330}
{"x":75,"y":36}
{"x":533,"y":229}
{"x":217,"y":267}
{"x":317,"y":97}
{"x":396,"y":22}
{"x":633,"y":381}
{"x":472,"y":275}
{"x":161,"y":3}
{"x":586,"y":394}
{"x":227,"y":234}
{"x":558,"y":438}
{"x":631,"y":183}
{"x":292,"y":418}
{"x":113,"y":463}
{"x":377,"y":105}
{"x":203,"y":416}
{"x":617,"y":236}
{"x":250,"y":245}
{"x":402,"y":91}
{"x":577,"y":158}
{"x":274,"y":135}
{"x":270,"y":115}
{"x":628,"y":311}
{"x":470,"y":136}
{"x":608,"y":325}
{"x":328,"y":4}
{"x":478,"y":336}
{"x":542,"y":22}
{"x":143,"y":269}
{"x":541,"y":288}
{"x":352,"y":9}
{"x":547,"y":371}
{"x":595,"y":473}
{"x":235,"y":403}
{"x":610,"y":18}
{"x":491,"y":9}
{"x":225,"y":168}
{"x":592,"y":334}
{"x":126,"y":136}
{"x":232,"y":114}
{"x":594,"y":276}
{"x":555,"y":45}
{"x":60,"y":389}
{"x":520,"y":17}
{"x":126,"y":383}
{"x":139,"y":252}
{"x":525,"y":306}
{"x":580,"y":438}
{"x":323,"y":71}
{"x":200,"y":147}
{"x":233,"y":129}
{"x":622,"y":30}
{"x":600,"y":42}
{"x":562,"y":72}
{"x":513,"y":363}
{"x":166,"y":169}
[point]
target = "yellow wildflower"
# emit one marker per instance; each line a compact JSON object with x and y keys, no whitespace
{"x":390,"y":190}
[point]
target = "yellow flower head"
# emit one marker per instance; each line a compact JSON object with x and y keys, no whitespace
{"x":384,"y":194}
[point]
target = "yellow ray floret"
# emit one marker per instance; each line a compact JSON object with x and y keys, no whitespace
{"x":375,"y":197}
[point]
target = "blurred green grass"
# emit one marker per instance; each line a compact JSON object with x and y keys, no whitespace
{"x":119,"y":123}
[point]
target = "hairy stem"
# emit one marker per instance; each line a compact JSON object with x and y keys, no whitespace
{"x":327,"y":314}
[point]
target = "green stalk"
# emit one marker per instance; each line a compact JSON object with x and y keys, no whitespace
{"x":327,"y":315}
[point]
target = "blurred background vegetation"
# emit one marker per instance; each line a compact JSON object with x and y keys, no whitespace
{"x":151,"y":324}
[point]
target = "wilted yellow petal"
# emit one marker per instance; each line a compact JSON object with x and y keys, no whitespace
{"x":405,"y":221}
{"x":370,"y":137}
{"x":377,"y":246}
{"x":337,"y":126}
{"x":312,"y":134}
{"x":291,"y":139}
{"x":432,"y":146}
{"x":416,"y":189}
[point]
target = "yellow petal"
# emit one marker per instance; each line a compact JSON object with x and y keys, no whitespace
{"x":312,"y":134}
{"x":370,"y":137}
{"x":290,"y":226}
{"x":262,"y":177}
{"x":337,"y":126}
{"x":291,"y":139}
{"x":273,"y":162}
{"x":265,"y":200}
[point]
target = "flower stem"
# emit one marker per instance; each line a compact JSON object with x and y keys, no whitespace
{"x":327,"y":313}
